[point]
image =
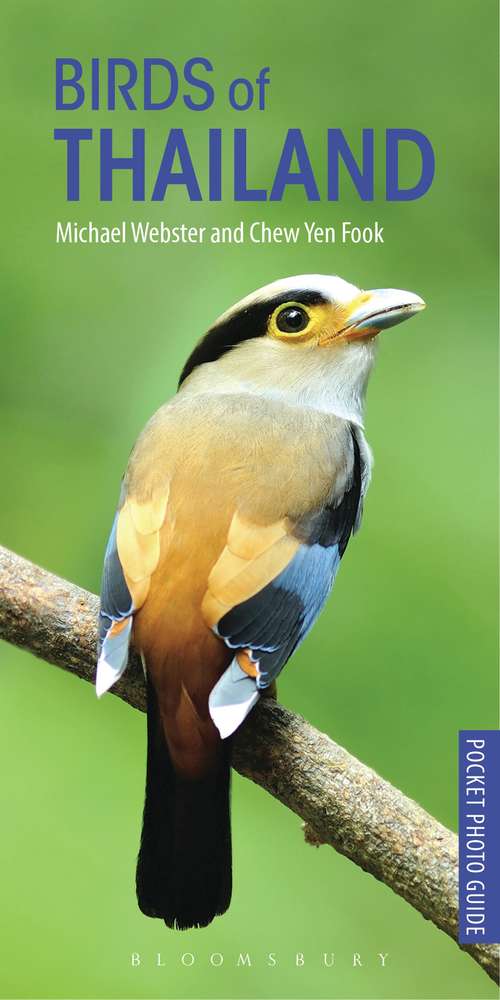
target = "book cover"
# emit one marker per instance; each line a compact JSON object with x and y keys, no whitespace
{"x":233,"y":197}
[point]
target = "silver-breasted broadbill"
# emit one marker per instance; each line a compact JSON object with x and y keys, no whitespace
{"x":237,"y":505}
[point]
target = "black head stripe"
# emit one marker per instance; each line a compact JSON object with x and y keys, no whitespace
{"x":243,"y":325}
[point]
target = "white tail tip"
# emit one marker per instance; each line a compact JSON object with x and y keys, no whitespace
{"x":231,"y":700}
{"x":105,"y":678}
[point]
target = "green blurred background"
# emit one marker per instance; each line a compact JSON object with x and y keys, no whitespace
{"x":93,"y":340}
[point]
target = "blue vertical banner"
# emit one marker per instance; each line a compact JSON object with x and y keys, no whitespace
{"x":479,"y":836}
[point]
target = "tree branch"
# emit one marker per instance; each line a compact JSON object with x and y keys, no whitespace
{"x":343,"y":802}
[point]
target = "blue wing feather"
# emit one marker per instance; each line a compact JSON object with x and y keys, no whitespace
{"x":116,"y":607}
{"x":272,"y":623}
{"x":116,"y":600}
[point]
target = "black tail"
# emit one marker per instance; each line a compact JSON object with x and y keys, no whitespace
{"x":184,"y":863}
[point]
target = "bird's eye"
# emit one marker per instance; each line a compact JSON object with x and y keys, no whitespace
{"x":292,"y":319}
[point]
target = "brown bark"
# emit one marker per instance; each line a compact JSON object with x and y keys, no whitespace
{"x":343,"y":802}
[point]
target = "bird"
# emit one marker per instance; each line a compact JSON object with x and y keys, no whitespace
{"x":237,"y":505}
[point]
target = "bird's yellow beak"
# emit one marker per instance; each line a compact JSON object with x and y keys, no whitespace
{"x":376,"y":310}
